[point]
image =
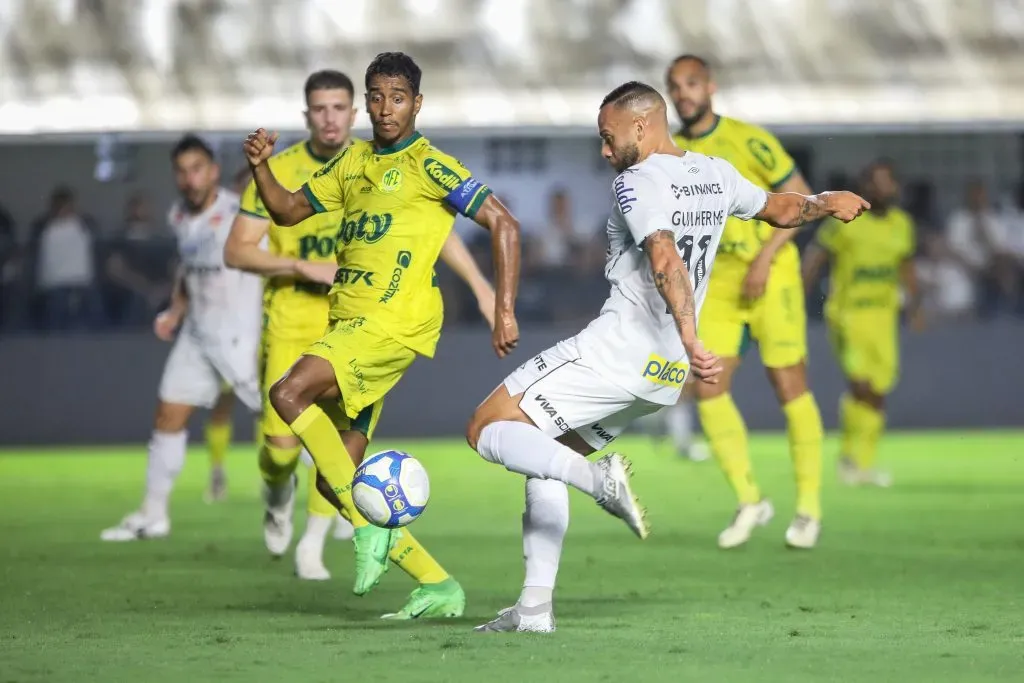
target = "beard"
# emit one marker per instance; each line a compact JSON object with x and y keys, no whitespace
{"x":696,"y":116}
{"x":626,"y":156}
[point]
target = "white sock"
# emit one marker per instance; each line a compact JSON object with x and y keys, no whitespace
{"x":523,"y":448}
{"x":545,"y":521}
{"x":316,"y":530}
{"x":679,"y":424}
{"x":166,"y":458}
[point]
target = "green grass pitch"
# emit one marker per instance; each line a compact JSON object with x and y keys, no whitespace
{"x":923,"y":582}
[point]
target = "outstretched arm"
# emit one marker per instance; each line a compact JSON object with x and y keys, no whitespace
{"x":506,"y":253}
{"x":458,"y":258}
{"x":791,"y":210}
{"x":779,"y":238}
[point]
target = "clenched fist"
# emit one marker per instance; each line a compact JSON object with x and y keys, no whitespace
{"x":258,"y":147}
{"x":846,"y":205}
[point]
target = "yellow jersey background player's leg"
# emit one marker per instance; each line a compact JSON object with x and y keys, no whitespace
{"x":755,"y":288}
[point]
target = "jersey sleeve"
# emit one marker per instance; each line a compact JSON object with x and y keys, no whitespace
{"x":451,"y":182}
{"x":251,"y":204}
{"x":773,"y":164}
{"x":745,"y":198}
{"x":324,"y":189}
{"x":829,"y":235}
{"x":637,"y":198}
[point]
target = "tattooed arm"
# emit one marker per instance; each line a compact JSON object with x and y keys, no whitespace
{"x":673,"y":283}
{"x":791,"y":210}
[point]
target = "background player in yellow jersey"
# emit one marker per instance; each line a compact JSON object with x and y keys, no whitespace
{"x":870,"y":259}
{"x":398,"y":196}
{"x":755,"y":289}
{"x":299,"y":265}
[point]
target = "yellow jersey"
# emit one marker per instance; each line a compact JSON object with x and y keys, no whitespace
{"x":761,"y":159}
{"x":295,"y":310}
{"x":398,"y":205}
{"x":867,"y":254}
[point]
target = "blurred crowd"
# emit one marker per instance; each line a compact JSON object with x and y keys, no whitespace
{"x":64,"y":272}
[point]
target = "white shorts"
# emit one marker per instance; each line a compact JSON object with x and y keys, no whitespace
{"x":562,"y":394}
{"x":196,"y":374}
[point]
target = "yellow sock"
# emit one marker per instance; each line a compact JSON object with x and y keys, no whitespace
{"x":414,"y":560}
{"x":869,"y":424}
{"x":320,"y":437}
{"x":278,"y":462}
{"x":316,"y":504}
{"x":218,"y":440}
{"x":805,"y":443}
{"x":727,"y":434}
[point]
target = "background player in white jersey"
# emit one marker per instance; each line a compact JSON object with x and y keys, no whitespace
{"x":576,"y":397}
{"x":218,"y":312}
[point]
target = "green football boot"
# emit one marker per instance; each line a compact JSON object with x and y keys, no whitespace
{"x":444,"y":600}
{"x":372,"y":545}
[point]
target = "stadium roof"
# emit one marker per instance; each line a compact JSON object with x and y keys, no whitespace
{"x":169,"y":65}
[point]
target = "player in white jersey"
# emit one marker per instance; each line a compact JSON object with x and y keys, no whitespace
{"x":576,"y":397}
{"x":218,"y":311}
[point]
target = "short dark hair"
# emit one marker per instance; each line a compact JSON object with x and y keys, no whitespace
{"x":691,"y":58}
{"x":192,"y":143}
{"x":395,"y":64}
{"x":328,"y":79}
{"x":628,"y":94}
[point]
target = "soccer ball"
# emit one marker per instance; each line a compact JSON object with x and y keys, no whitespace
{"x":390,"y":489}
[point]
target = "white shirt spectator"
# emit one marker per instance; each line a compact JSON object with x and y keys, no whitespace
{"x":65,"y":254}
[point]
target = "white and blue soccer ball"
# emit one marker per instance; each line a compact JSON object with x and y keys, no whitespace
{"x":391,"y":489}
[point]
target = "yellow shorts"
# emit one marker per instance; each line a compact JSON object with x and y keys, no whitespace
{"x":777,"y":321}
{"x":866,"y":344}
{"x":277,"y":357}
{"x":367,"y":364}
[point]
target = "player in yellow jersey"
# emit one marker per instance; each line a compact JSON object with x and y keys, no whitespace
{"x":870,"y":258}
{"x":299,"y":265}
{"x":755,"y":290}
{"x":399,"y":197}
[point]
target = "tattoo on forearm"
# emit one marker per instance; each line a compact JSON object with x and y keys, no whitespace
{"x":674,"y":286}
{"x":812,"y":208}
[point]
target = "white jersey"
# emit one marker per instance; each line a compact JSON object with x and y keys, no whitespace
{"x":634,"y":342}
{"x":224,"y":304}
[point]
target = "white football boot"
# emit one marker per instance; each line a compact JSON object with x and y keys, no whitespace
{"x":540,"y":619}
{"x":851,"y":475}
{"x":343,"y":529}
{"x":616,"y":496}
{"x":748,"y":517}
{"x":137,"y":527}
{"x":697,"y":452}
{"x":217,"y":491}
{"x":277,"y":520}
{"x":309,"y":561}
{"x":803,"y":532}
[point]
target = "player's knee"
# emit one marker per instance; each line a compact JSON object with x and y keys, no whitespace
{"x":862,"y":391}
{"x":476,"y":426}
{"x":789,"y":383}
{"x":171,"y":417}
{"x":286,"y":396}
